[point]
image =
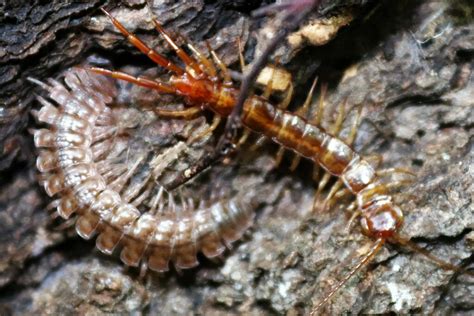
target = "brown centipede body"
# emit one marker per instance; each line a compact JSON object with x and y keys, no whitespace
{"x":103,"y":209}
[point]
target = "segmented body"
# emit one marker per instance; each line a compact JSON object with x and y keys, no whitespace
{"x":76,"y":155}
{"x":380,"y":216}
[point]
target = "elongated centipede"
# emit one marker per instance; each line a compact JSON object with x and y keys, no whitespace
{"x":201,"y":87}
{"x":82,"y":161}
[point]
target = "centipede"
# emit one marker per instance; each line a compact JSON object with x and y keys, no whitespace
{"x":77,"y":142}
{"x":81,"y":163}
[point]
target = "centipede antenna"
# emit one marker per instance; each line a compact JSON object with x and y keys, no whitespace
{"x":341,"y":115}
{"x":135,"y":41}
{"x":397,"y":239}
{"x":188,"y":61}
{"x":388,"y":171}
{"x":147,"y":83}
{"x":369,"y":256}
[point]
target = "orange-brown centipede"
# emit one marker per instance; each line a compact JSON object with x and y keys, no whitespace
{"x":200,"y":85}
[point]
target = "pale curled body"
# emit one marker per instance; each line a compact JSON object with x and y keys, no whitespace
{"x":70,"y":160}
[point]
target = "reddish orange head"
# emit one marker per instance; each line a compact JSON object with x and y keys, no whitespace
{"x":381,"y":219}
{"x":197,"y":91}
{"x":217,"y":98}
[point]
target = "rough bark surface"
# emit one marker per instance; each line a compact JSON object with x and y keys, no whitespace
{"x":409,"y":62}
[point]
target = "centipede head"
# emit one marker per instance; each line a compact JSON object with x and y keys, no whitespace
{"x":196,"y":91}
{"x":382,"y":219}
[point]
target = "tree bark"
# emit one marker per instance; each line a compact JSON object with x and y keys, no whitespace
{"x":409,"y":63}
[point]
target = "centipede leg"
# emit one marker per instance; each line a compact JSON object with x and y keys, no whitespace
{"x":315,"y":173}
{"x":287,"y":99}
{"x":388,"y":171}
{"x":342,"y":193}
{"x":334,"y":189}
{"x":375,"y":160}
{"x":225,"y":72}
{"x":135,"y":41}
{"x":206,"y":64}
{"x":321,"y":185}
{"x":337,"y":126}
{"x":304,"y":110}
{"x":398,"y":184}
{"x":243,"y":138}
{"x":143,"y":270}
{"x":215,"y":122}
{"x":295,"y":162}
{"x":279,"y":156}
{"x":354,"y":128}
{"x":188,"y":61}
{"x":187,"y":114}
{"x":354,"y":216}
{"x":118,"y":183}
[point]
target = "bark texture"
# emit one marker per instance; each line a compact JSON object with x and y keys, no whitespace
{"x":409,"y":62}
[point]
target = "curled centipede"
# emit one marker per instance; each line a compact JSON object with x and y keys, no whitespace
{"x":160,"y":240}
{"x":81,"y":163}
